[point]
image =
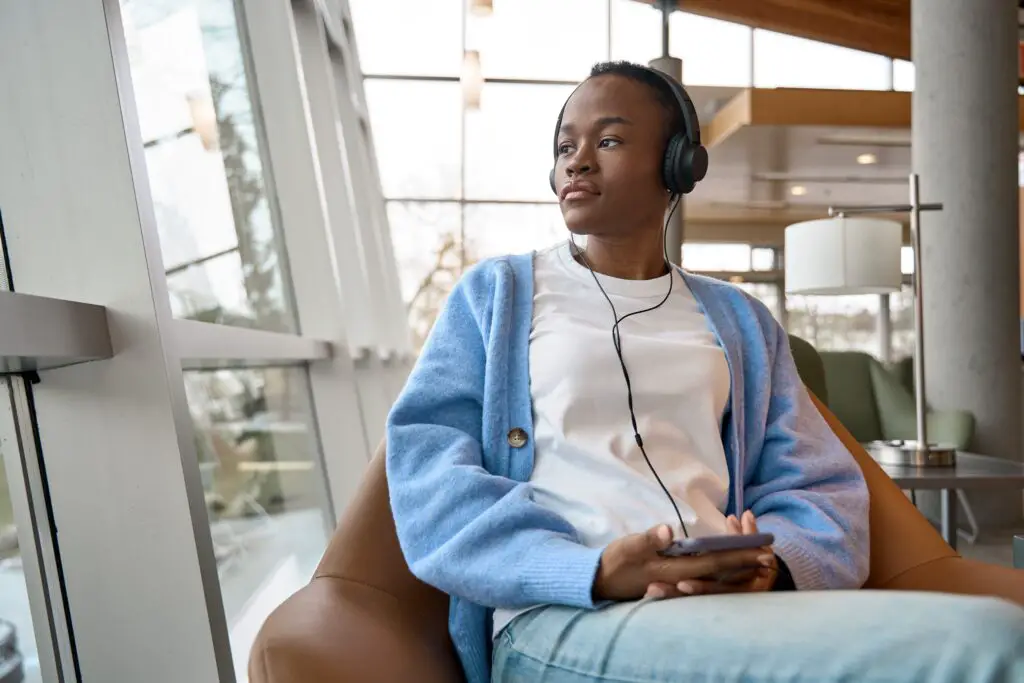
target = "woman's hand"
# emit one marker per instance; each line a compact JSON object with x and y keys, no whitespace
{"x":745,"y":580}
{"x":632,"y":565}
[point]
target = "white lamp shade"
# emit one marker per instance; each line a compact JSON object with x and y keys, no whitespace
{"x":843,"y":255}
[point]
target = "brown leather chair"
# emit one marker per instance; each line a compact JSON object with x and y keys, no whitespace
{"x":365,"y":619}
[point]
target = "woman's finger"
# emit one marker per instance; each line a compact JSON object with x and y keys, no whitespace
{"x":749,"y":523}
{"x":662,"y":591}
{"x":693,"y":587}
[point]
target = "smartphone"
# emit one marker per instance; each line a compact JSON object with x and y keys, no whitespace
{"x":685,"y":547}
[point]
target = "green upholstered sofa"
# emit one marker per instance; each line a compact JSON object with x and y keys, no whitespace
{"x":873,"y":403}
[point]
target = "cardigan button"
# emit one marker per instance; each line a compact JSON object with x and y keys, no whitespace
{"x":517,"y":438}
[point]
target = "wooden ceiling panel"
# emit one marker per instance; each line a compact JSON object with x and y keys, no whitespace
{"x":879,"y":26}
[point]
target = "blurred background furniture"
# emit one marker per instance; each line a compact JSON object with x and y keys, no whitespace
{"x":365,"y":618}
{"x":972,"y":472}
{"x":872,"y":402}
{"x":875,"y":404}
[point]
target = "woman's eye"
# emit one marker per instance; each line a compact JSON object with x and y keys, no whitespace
{"x":608,"y":142}
{"x":564,"y":148}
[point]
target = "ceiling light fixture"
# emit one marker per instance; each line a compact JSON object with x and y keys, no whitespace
{"x":481,"y":8}
{"x":472,"y":79}
{"x":798,"y":190}
{"x":865,"y":159}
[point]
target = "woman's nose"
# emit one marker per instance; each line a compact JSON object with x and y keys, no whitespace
{"x":581,"y":162}
{"x":575,"y":169}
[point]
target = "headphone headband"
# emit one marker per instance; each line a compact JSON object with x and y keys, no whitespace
{"x":686,"y":160}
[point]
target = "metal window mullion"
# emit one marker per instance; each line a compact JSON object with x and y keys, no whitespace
{"x":26,"y":490}
{"x":367,"y":332}
{"x":376,"y":227}
{"x":116,"y":435}
{"x":299,"y":190}
{"x":200,"y":345}
{"x":351,"y":268}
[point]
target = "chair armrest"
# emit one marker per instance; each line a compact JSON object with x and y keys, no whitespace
{"x":963,"y":577}
{"x":344,"y":632}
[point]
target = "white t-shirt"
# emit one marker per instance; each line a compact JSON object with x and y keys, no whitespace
{"x":587,"y":465}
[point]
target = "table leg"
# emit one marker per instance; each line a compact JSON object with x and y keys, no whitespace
{"x":949,"y":522}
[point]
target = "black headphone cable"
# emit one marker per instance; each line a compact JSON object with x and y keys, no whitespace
{"x":617,"y":341}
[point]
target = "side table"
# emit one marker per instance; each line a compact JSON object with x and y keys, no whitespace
{"x":971,"y":472}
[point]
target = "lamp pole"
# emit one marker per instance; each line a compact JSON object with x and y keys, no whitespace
{"x":922,"y":452}
{"x":673,"y":67}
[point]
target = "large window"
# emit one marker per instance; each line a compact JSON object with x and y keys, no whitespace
{"x":509,"y":145}
{"x":787,"y":61}
{"x":418,"y":129}
{"x":263,"y":487}
{"x":200,"y":214}
{"x":263,"y":483}
{"x":206,"y":170}
{"x":468,"y":178}
{"x":540,"y":39}
{"x":713,"y":52}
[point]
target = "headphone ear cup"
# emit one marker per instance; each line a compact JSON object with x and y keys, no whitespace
{"x":551,"y":181}
{"x":698,"y":163}
{"x":672,"y":165}
{"x":685,"y":165}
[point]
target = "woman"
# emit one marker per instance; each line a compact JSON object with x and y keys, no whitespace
{"x":562,"y":395}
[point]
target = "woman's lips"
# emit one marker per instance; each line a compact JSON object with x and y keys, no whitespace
{"x":578,"y":191}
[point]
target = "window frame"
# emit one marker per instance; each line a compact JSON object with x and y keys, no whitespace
{"x":134,"y":439}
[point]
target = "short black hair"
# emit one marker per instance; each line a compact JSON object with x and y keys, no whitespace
{"x":657,"y":84}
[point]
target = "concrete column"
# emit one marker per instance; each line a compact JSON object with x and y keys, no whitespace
{"x":965,"y":150}
{"x":674,"y":236}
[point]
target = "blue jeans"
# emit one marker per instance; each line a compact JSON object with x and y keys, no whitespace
{"x":869,"y":636}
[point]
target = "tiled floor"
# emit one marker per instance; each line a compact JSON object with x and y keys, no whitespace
{"x":998,"y":550}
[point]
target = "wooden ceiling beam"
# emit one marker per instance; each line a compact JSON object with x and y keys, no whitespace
{"x":879,"y":26}
{"x":816,"y":107}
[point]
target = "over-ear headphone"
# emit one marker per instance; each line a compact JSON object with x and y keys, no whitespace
{"x":686,"y":161}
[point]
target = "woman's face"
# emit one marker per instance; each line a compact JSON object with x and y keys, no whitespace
{"x":610,"y":150}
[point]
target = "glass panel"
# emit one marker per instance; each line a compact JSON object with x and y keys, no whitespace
{"x":265,"y":489}
{"x":510,"y":141}
{"x":902,"y":75}
{"x":417,"y":129}
{"x":636,"y":31}
{"x":204,"y":164}
{"x":551,"y":40}
{"x":499,"y":229}
{"x":409,"y":37}
{"x":835,"y":323}
{"x":427,"y":238}
{"x":709,"y":256}
{"x":713,"y":52}
{"x":901,"y":311}
{"x":18,"y":653}
{"x":762,"y":258}
{"x":787,"y":61}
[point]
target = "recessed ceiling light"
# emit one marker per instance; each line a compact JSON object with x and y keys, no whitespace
{"x":866,"y":159}
{"x":798,"y":190}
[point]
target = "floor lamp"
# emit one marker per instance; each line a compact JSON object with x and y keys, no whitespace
{"x":844,"y":254}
